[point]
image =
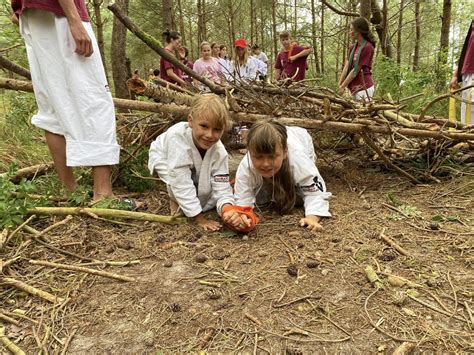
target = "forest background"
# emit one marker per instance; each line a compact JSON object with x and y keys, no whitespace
{"x":419,"y":42}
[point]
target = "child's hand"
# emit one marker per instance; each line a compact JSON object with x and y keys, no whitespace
{"x":206,"y":224}
{"x":312,"y":223}
{"x":291,"y":59}
{"x":236,"y":220}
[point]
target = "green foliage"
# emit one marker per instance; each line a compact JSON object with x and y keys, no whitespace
{"x":134,"y":173}
{"x":14,"y":199}
{"x":115,"y":203}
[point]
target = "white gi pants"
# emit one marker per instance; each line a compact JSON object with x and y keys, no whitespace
{"x":364,"y":95}
{"x":467,"y":110}
{"x":71,"y":91}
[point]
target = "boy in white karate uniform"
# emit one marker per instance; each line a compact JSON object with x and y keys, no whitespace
{"x":190,"y":158}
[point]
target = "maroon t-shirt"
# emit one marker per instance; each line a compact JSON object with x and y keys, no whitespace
{"x":186,"y":77}
{"x":468,"y":66}
{"x":164,"y":65}
{"x":53,"y":6}
{"x":363,"y":80}
{"x":288,"y":70}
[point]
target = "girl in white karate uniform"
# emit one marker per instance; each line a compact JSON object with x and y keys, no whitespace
{"x":190,"y":158}
{"x":279,"y":171}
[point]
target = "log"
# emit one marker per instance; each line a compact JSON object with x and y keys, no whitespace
{"x":13,"y":67}
{"x":107,"y":213}
{"x":396,"y":117}
{"x":8,"y":343}
{"x":154,"y":44}
{"x":158,"y":92}
{"x":183,"y":112}
{"x":31,"y":172}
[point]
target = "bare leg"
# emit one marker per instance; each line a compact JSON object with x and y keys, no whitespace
{"x":173,"y":207}
{"x":57,"y":148}
{"x":102,"y":183}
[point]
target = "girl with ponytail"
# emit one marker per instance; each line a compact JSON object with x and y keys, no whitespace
{"x":168,"y":71}
{"x":279,"y":171}
{"x":357,"y":72}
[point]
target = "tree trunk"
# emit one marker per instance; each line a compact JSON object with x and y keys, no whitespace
{"x":296,"y":18}
{"x":118,"y":54}
{"x":99,"y":31}
{"x":191,"y":37}
{"x":314,"y":33}
{"x":274,"y":26}
{"x":252,"y":24}
{"x":166,"y":11}
{"x":379,"y":19}
{"x":399,"y":33}
{"x":416,"y":55}
{"x":322,"y":38}
{"x":285,"y":15}
{"x":181,"y":22}
{"x":201,"y":23}
{"x":232,"y":36}
{"x":365,"y":9}
{"x":444,"y":37}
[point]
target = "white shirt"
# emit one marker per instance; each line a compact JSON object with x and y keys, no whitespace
{"x":198,"y":184}
{"x":262,"y":56}
{"x":246,"y":72}
{"x":309,"y":183}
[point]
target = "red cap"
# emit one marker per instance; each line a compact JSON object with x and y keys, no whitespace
{"x":240,"y":43}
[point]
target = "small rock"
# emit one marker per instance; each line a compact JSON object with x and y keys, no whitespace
{"x":168,"y":263}
{"x":292,"y":270}
{"x":400,"y":298}
{"x":312,"y":264}
{"x":434,"y":282}
{"x":434,"y":226}
{"x":200,"y":258}
{"x":124,"y":244}
{"x":245,"y":237}
{"x":213,"y":294}
{"x":324,"y":272}
{"x":148,"y":338}
{"x":262,"y":254}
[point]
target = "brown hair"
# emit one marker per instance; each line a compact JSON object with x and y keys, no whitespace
{"x":210,"y":107}
{"x":263,"y":138}
{"x":285,"y":34}
{"x":169,"y":35}
{"x":204,"y":44}
{"x":362,"y":26}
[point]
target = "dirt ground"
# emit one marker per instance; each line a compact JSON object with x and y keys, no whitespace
{"x":224,"y":293}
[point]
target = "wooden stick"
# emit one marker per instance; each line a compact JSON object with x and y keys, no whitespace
{"x":83,"y":269}
{"x":391,"y":243}
{"x":68,"y":341}
{"x":109,"y":213}
{"x":9,"y":344}
{"x":252,"y":318}
{"x":16,"y":231}
{"x":404,"y":349}
{"x":387,"y":162}
{"x":442,"y":311}
{"x":32,"y":290}
{"x":32,"y":171}
{"x":9,"y":319}
{"x":15,"y":68}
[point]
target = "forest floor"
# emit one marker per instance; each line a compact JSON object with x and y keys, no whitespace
{"x":221,"y":292}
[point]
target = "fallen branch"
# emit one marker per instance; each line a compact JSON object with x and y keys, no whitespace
{"x":9,"y":319}
{"x":68,"y":341}
{"x":83,"y":269}
{"x":32,"y":290}
{"x":9,"y":344}
{"x":404,"y":349}
{"x":158,"y":92}
{"x":15,"y":68}
{"x":108,"y":213}
{"x":391,"y":243}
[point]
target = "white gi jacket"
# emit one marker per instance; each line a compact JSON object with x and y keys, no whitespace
{"x":198,"y":184}
{"x":309,"y":183}
{"x":247,"y":72}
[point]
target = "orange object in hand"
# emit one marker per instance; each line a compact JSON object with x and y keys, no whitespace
{"x":246,"y":210}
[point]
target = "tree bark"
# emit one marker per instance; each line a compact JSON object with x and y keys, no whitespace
{"x":274,"y":26}
{"x":338,"y":11}
{"x":181,"y":22}
{"x":166,"y":18}
{"x":322,"y":37}
{"x":201,"y":24}
{"x":118,"y":54}
{"x":314,"y":33}
{"x":379,"y":19}
{"x":365,"y":9}
{"x":416,"y":55}
{"x":99,"y":30}
{"x":444,"y":36}
{"x":399,"y":32}
{"x":296,"y":17}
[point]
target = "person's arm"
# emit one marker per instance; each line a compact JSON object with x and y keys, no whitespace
{"x":453,"y":84}
{"x":351,"y":76}
{"x":344,"y":73}
{"x":78,"y":32}
{"x":304,"y":53}
{"x":171,"y":74}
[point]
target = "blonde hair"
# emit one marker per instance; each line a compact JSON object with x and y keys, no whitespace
{"x":263,"y":138}
{"x":237,"y":59}
{"x":210,"y":107}
{"x":204,"y":44}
